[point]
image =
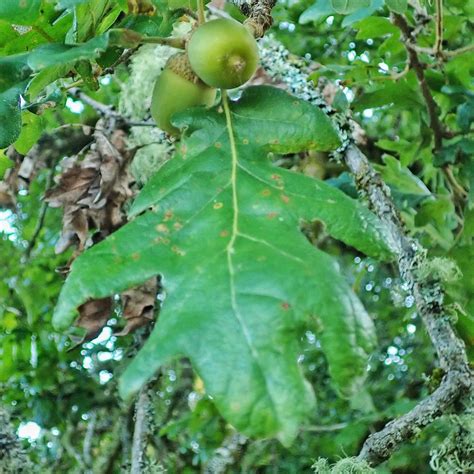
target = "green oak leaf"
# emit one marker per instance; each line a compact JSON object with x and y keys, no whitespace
{"x":10,"y":107}
{"x":221,"y":225}
{"x":20,"y":11}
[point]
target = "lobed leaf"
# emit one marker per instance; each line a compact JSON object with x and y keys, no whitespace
{"x":220,"y":224}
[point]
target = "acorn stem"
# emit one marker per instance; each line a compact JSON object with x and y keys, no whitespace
{"x":201,"y":12}
{"x":178,"y":43}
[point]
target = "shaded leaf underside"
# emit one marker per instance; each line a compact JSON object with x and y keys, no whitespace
{"x":221,"y":226}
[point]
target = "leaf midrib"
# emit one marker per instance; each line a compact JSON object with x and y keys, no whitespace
{"x":230,"y":249}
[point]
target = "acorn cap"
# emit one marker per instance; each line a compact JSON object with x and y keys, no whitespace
{"x":179,"y":64}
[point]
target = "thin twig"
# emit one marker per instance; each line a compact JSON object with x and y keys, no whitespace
{"x":88,"y":438}
{"x":178,"y":43}
{"x":325,"y":428}
{"x":438,"y":46}
{"x":42,"y":212}
{"x":457,"y":52}
{"x":418,"y":68}
{"x":201,"y":12}
{"x":103,"y":109}
{"x":140,"y":431}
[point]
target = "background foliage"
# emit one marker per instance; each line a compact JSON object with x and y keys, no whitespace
{"x":50,"y":54}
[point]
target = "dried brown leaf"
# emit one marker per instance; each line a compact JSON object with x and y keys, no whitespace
{"x":139,"y":306}
{"x":93,"y":190}
{"x":93,"y":316}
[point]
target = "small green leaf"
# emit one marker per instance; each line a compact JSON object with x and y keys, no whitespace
{"x":340,"y":102}
{"x":402,"y":181}
{"x":10,"y":107}
{"x":5,"y":164}
{"x":319,"y":10}
{"x":398,"y":6}
{"x":46,"y":77}
{"x":55,"y":54}
{"x":84,"y":69}
{"x":345,"y":7}
{"x":374,"y":27}
{"x":13,"y":69}
{"x":362,"y":13}
{"x":400,"y":95}
{"x":31,"y":129}
{"x":465,"y":114}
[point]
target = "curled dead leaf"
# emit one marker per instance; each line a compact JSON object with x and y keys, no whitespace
{"x":139,"y":306}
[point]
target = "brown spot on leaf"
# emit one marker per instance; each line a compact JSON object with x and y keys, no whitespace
{"x":224,"y":233}
{"x":136,"y":256}
{"x":266,"y":193}
{"x":218,"y":145}
{"x":168,"y":215}
{"x":177,"y":225}
{"x":272,"y":215}
{"x":162,"y":228}
{"x":285,"y":305}
{"x":284,"y":198}
{"x":218,"y":205}
{"x":245,"y":141}
{"x":178,"y":251}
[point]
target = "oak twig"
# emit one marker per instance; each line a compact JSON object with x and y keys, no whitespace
{"x":42,"y":212}
{"x":438,"y":47}
{"x":178,"y":43}
{"x":258,"y":13}
{"x":140,"y":431}
{"x":418,"y":68}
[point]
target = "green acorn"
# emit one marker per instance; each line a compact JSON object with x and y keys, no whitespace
{"x":176,"y":89}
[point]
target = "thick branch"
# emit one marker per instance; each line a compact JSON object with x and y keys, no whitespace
{"x":428,"y":293}
{"x":418,"y":67}
{"x":458,"y":379}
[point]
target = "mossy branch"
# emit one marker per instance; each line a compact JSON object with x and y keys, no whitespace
{"x":458,"y":381}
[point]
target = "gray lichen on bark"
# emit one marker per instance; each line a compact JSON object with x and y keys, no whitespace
{"x":457,"y":381}
{"x":13,"y":459}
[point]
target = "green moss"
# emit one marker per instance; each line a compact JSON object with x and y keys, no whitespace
{"x":456,"y":453}
{"x":439,"y":269}
{"x":344,"y":466}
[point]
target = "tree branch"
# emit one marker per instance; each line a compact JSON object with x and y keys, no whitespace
{"x":429,"y":295}
{"x":258,"y":13}
{"x":418,"y":67}
{"x":438,"y":47}
{"x":140,"y":431}
{"x":427,"y":291}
